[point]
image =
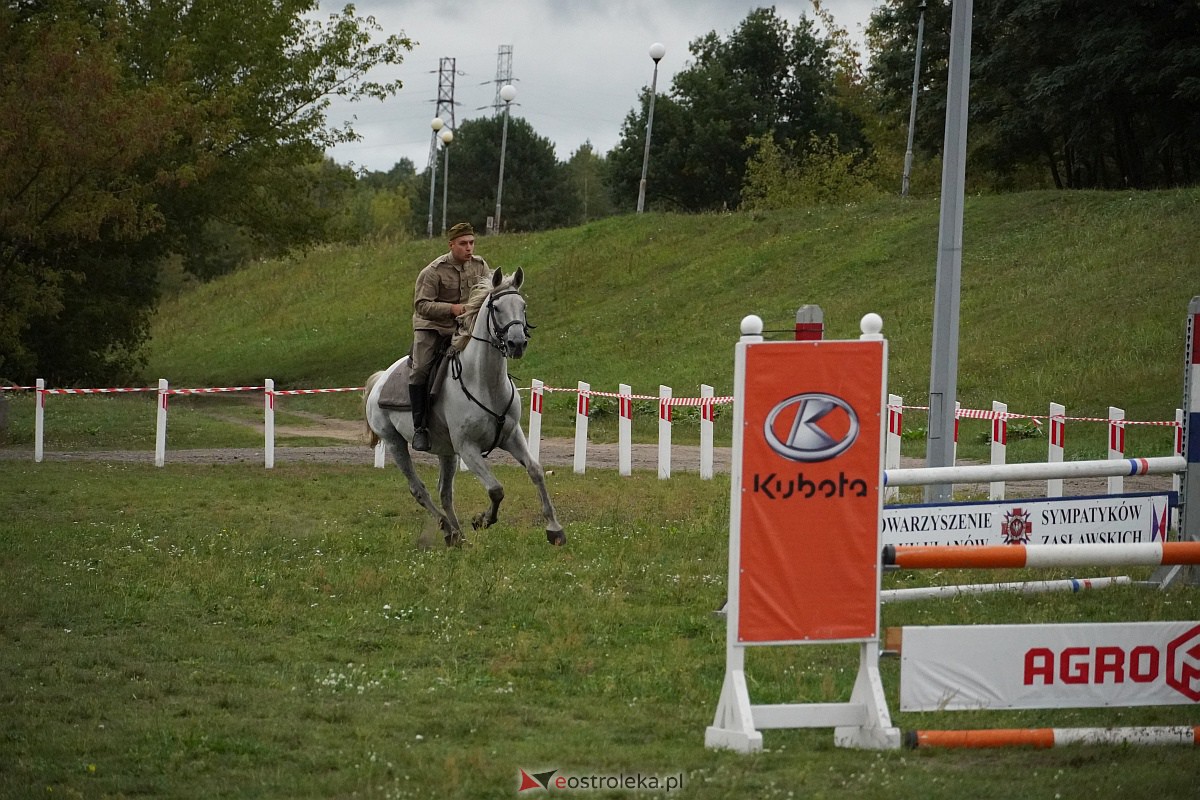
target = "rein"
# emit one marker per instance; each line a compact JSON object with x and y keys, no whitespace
{"x":497,"y":341}
{"x":498,"y":418}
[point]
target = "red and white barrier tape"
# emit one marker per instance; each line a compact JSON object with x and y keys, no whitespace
{"x":217,"y":390}
{"x":320,"y":391}
{"x":102,"y":391}
{"x":672,"y":401}
{"x":979,"y":413}
{"x":963,"y":413}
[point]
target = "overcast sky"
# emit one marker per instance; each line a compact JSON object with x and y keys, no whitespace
{"x":578,"y":65}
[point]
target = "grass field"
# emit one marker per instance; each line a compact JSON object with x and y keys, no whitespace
{"x":220,"y":631}
{"x":225,"y":631}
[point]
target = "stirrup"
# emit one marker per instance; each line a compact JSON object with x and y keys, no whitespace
{"x":420,"y":440}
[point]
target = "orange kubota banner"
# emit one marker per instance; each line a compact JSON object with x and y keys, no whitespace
{"x":810,"y":491}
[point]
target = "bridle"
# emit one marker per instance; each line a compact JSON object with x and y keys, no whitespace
{"x":497,"y":331}
{"x":497,"y":340}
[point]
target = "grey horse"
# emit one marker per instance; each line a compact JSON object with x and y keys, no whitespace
{"x":477,"y":410}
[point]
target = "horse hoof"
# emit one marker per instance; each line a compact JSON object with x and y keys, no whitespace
{"x":556,"y":538}
{"x":455,"y":540}
{"x":479,"y":522}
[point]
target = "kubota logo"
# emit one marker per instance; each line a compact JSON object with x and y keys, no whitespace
{"x":811,"y":427}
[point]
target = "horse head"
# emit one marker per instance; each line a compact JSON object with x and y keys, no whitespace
{"x":507,"y":327}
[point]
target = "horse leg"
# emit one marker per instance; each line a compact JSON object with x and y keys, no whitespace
{"x":399,"y":452}
{"x":475,"y":462}
{"x":518,"y":447}
{"x":447,"y":467}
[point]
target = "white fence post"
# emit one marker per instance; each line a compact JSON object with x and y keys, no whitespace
{"x":999,"y":445}
{"x":160,"y":434}
{"x":624,"y":429}
{"x":1116,"y":446}
{"x":1058,"y":431}
{"x":39,"y":423}
{"x":957,"y":408}
{"x":536,"y":389}
{"x":664,"y":432}
{"x":269,"y":423}
{"x":706,"y":432}
{"x":582,"y":408}
{"x":891,"y":450}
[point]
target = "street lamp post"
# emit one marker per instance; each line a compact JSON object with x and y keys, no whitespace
{"x":912,"y":111}
{"x":507,"y":93}
{"x":657,"y":51}
{"x":437,"y":125}
{"x":447,"y":136}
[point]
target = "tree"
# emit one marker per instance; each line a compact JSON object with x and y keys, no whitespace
{"x":1091,"y":97}
{"x":586,"y":171}
{"x":819,"y":173}
{"x":536,"y":192}
{"x":768,"y":77}
{"x":135,"y":130}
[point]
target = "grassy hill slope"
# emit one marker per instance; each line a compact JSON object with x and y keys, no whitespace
{"x":1076,"y":297}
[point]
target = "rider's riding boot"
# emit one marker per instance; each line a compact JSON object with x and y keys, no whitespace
{"x":420,"y":410}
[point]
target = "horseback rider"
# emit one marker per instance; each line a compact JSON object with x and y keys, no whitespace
{"x":441,"y":289}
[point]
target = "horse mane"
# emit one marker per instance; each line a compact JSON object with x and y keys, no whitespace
{"x":479,"y":294}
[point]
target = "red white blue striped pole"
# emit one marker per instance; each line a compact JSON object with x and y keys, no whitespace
{"x":1035,"y":556}
{"x":975,"y":473}
{"x":1026,"y":587}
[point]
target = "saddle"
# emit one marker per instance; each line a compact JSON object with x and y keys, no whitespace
{"x":394,"y":392}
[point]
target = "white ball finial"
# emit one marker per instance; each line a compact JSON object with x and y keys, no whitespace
{"x":508,"y":92}
{"x":871,"y":326}
{"x":752,"y":325}
{"x":447,"y":136}
{"x":436,"y":124}
{"x":657,"y":51}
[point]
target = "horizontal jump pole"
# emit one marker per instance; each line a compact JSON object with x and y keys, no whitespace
{"x":1054,"y":737}
{"x":1016,"y":556}
{"x":1027,"y":587}
{"x":982,"y":473}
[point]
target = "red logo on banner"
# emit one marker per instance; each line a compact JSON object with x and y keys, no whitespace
{"x":1183,"y":665}
{"x":1016,"y":527}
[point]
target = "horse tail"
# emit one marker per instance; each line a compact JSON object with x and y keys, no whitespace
{"x":372,"y":437}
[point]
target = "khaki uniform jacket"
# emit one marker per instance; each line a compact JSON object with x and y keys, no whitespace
{"x":439,"y":286}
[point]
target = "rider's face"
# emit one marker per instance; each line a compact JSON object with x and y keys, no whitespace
{"x":463,"y":248}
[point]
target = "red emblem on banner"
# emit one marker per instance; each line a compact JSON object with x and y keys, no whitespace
{"x":1016,"y":527}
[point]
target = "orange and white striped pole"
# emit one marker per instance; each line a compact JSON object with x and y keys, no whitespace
{"x":1054,"y":737}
